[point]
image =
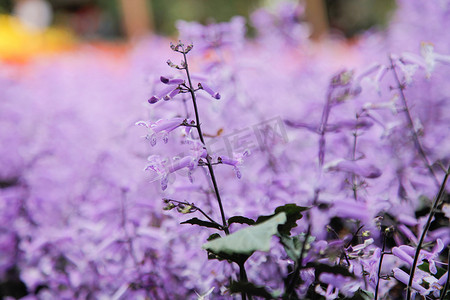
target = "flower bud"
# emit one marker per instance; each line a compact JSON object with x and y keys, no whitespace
{"x":207,"y":89}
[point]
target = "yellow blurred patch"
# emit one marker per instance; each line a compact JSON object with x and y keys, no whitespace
{"x":18,"y":43}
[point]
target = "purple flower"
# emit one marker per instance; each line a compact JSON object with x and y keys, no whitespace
{"x":355,"y":167}
{"x":346,"y":285}
{"x":330,"y":293}
{"x":160,"y":127}
{"x":407,"y":232}
{"x":371,"y":265}
{"x":163,"y":167}
{"x":167,"y":93}
{"x":351,"y":209}
{"x":172,"y":94}
{"x":235,"y":162}
{"x":207,"y":89}
{"x":171,"y":81}
{"x":403,"y":277}
{"x":397,"y":251}
{"x":431,"y":256}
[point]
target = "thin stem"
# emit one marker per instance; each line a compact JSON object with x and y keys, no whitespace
{"x":425,"y":230}
{"x":411,"y":124}
{"x":444,"y":291}
{"x":242,"y":272}
{"x":196,"y":208}
{"x":208,"y":158}
{"x":322,"y":128}
{"x":354,"y":183}
{"x":379,"y":266}
{"x":296,"y":274}
{"x":243,"y":278}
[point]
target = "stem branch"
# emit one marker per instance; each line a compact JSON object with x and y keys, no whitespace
{"x":425,"y":230}
{"x":208,"y":158}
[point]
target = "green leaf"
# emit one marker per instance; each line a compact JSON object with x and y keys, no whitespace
{"x":363,"y":295}
{"x":250,"y":289}
{"x":425,"y":266}
{"x":293,"y":214}
{"x":240,"y":220}
{"x":196,"y":221}
{"x":237,"y":258}
{"x":248,"y":240}
{"x":293,"y":245}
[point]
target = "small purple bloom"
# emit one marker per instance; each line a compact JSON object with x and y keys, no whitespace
{"x":346,"y":285}
{"x":160,"y":127}
{"x":403,"y":277}
{"x":207,"y":89}
{"x":171,"y":81}
{"x":235,"y":162}
{"x":367,"y":171}
{"x":397,"y":251}
{"x":172,"y":94}
{"x":407,"y":232}
{"x":185,"y":162}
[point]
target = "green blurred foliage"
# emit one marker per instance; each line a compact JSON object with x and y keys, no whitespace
{"x":166,"y":12}
{"x":352,"y":17}
{"x":5,"y":6}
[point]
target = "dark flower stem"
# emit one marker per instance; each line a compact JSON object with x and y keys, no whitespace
{"x":208,"y":158}
{"x":298,"y":267}
{"x":379,"y":266}
{"x":444,"y":291}
{"x":322,"y":128}
{"x":242,"y":272}
{"x":354,"y":178}
{"x":194,"y":207}
{"x":417,"y":142}
{"x":424,"y":233}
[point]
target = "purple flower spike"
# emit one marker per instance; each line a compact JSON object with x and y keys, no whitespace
{"x":169,"y":81}
{"x":207,"y":89}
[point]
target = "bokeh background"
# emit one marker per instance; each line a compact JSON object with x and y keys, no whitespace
{"x":80,"y":219}
{"x":29,"y":27}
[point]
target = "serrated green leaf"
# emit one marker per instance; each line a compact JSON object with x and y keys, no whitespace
{"x":196,"y":221}
{"x":250,"y":289}
{"x":248,"y":240}
{"x":240,"y":220}
{"x":293,"y":214}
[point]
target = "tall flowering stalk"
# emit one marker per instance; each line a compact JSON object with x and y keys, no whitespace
{"x":179,"y":86}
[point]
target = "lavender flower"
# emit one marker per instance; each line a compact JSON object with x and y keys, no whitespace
{"x":207,"y":89}
{"x":403,"y":277}
{"x":160,"y":128}
{"x":171,"y":81}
